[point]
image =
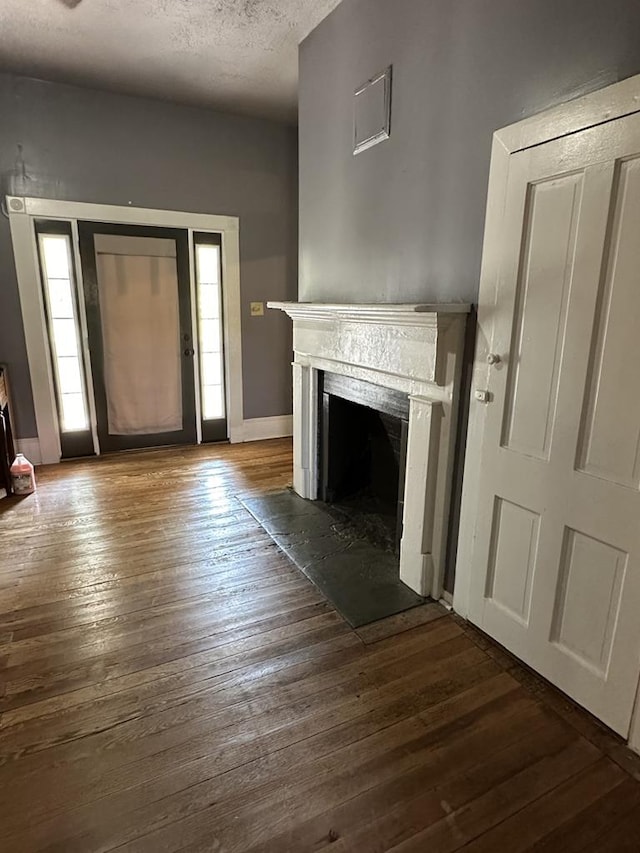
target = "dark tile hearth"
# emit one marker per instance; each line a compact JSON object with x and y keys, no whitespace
{"x":360,"y":579}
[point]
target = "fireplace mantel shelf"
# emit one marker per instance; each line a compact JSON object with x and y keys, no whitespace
{"x":403,"y":314}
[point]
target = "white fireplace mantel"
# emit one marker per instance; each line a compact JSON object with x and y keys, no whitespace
{"x":403,"y":314}
{"x":412,"y":348}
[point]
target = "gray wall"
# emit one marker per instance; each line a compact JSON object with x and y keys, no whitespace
{"x":404,"y":220}
{"x":85,"y":145}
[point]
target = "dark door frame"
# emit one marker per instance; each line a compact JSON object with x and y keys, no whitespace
{"x":188,"y":434}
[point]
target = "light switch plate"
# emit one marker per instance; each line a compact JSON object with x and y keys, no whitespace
{"x":257,"y":309}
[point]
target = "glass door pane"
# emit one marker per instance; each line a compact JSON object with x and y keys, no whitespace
{"x":210,"y":335}
{"x":54,"y":244}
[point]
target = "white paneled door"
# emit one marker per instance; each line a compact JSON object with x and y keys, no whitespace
{"x":556,"y":550}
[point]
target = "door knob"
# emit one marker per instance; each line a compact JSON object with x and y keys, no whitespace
{"x":188,"y":351}
{"x":493,"y":358}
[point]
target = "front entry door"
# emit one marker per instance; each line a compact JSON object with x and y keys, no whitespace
{"x":556,"y":553}
{"x":137,"y":294}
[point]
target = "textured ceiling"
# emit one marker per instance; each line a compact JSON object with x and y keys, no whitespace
{"x":238,"y":55}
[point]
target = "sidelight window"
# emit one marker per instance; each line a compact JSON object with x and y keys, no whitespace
{"x":210,"y":338}
{"x":64,"y":337}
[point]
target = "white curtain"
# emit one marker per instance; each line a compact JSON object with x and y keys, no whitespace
{"x":138,"y":292}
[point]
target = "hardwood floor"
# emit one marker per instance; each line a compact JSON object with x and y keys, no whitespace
{"x":169,"y":681}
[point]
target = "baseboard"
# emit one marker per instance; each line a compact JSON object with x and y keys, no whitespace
{"x":30,"y":447}
{"x":446,"y":600}
{"x":255,"y":429}
{"x":259,"y":429}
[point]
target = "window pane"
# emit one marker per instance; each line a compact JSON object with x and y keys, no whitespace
{"x":56,"y":258}
{"x":208,"y":264}
{"x":212,"y":402}
{"x":210,"y":364}
{"x":69,"y":375}
{"x":63,"y":331}
{"x":64,"y":337}
{"x":210,"y":335}
{"x":209,"y":301}
{"x":60,"y":299}
{"x":210,"y":331}
{"x":73,"y":412}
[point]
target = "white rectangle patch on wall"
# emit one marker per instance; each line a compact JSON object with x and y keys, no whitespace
{"x":372,"y":112}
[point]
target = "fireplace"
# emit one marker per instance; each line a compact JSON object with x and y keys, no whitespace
{"x":383,"y":378}
{"x":362,"y":453}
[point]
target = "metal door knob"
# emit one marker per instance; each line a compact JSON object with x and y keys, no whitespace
{"x":493,"y":358}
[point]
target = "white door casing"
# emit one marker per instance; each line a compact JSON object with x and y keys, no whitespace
{"x":23,"y":212}
{"x":549,"y":558}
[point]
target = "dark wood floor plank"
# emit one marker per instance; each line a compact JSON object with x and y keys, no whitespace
{"x":184,"y":659}
{"x":160,"y":587}
{"x":170,"y":681}
{"x":462,"y":826}
{"x":587,"y":822}
{"x":623,"y":837}
{"x":71,"y":770}
{"x":522,"y":830}
{"x":385,"y":754}
{"x":408,"y":808}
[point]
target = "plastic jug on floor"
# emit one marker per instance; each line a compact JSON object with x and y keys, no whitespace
{"x":23,"y":478}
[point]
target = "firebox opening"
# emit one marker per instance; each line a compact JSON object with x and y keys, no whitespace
{"x":363,"y":449}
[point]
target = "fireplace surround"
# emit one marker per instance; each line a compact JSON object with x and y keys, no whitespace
{"x":412,"y":349}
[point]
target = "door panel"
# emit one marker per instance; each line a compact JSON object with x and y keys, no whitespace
{"x":551,"y":217}
{"x":556,"y":555}
{"x":588,"y":598}
{"x":609,"y":444}
{"x":514,"y":547}
{"x":137,"y":293}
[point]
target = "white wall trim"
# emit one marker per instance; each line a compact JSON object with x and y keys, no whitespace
{"x":612,"y":102}
{"x":260,"y":429}
{"x":232,"y":329}
{"x":23,"y":212}
{"x":30,"y":447}
{"x":607,"y":104}
{"x":47,"y":208}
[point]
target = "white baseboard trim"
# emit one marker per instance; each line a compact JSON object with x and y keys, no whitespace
{"x":255,"y":429}
{"x":259,"y":429}
{"x":30,"y":447}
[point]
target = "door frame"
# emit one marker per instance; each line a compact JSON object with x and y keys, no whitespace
{"x":605,"y":105}
{"x":22,"y":215}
